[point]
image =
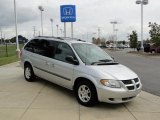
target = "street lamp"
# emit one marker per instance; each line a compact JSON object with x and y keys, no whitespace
{"x":116,"y":30}
{"x":16,"y":29}
{"x":41,"y":9}
{"x":52,"y":25}
{"x":57,"y":29}
{"x":61,"y":31}
{"x":142,"y":2}
{"x":114,"y":23}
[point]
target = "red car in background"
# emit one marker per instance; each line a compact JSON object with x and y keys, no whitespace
{"x":154,"y":48}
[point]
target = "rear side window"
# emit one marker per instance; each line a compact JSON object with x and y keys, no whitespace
{"x":30,"y":46}
{"x":52,"y":49}
{"x":35,"y":46}
{"x":42,"y":47}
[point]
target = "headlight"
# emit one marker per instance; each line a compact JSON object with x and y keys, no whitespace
{"x":110,"y":83}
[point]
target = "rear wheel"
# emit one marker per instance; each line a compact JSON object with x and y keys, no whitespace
{"x":85,"y":93}
{"x":153,"y":51}
{"x":28,"y":73}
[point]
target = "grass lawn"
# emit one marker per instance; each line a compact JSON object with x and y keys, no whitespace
{"x":11,"y":54}
{"x":7,"y":60}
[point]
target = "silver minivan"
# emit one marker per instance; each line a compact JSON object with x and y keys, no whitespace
{"x":80,"y":66}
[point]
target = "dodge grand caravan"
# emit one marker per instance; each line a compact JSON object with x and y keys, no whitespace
{"x":82,"y":67}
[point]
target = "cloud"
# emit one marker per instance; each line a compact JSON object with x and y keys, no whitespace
{"x":91,"y":14}
{"x":25,"y":14}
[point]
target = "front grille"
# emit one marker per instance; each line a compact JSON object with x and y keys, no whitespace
{"x":137,"y":86}
{"x":130,"y":87}
{"x":131,"y":84}
{"x":136,"y":80}
{"x":127,"y":81}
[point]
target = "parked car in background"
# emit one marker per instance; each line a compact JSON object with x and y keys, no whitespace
{"x":154,"y":48}
{"x":120,"y":46}
{"x":147,"y":47}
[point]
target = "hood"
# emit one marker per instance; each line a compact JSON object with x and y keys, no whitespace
{"x":116,"y":72}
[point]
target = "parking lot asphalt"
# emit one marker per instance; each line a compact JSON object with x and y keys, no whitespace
{"x":42,"y":100}
{"x":146,"y":66}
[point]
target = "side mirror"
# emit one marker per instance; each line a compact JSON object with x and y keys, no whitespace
{"x":72,"y":60}
{"x":112,"y":57}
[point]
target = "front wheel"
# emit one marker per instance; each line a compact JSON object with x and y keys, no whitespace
{"x":28,"y":73}
{"x":85,"y":93}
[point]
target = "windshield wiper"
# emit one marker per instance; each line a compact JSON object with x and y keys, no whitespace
{"x":105,"y":60}
{"x":109,"y":62}
{"x":98,"y":62}
{"x":101,"y":61}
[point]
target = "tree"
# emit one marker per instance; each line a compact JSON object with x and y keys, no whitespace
{"x":133,"y":39}
{"x":21,"y":39}
{"x":123,"y":42}
{"x":103,"y":42}
{"x":96,"y":41}
{"x":155,"y":33}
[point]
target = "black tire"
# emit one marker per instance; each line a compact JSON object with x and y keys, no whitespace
{"x":93,"y":93}
{"x":30,"y":77}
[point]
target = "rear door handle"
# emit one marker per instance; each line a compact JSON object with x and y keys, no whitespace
{"x":47,"y":63}
{"x":53,"y":65}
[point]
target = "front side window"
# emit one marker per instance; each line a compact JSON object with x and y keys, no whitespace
{"x":90,"y":53}
{"x":62,"y":51}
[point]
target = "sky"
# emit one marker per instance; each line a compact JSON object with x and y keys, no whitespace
{"x":91,"y":15}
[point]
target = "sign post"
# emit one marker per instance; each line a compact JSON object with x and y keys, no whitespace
{"x":64,"y":29}
{"x":68,"y":14}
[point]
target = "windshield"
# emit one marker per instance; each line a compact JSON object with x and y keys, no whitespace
{"x":90,"y":53}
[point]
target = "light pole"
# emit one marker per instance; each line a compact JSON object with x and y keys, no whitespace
{"x":142,"y":2}
{"x":41,"y":9}
{"x":114,"y":23}
{"x":61,"y":32}
{"x":116,"y":30}
{"x":57,"y":29}
{"x":52,"y":25}
{"x":16,"y":29}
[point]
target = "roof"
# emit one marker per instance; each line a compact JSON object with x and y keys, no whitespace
{"x":64,"y":39}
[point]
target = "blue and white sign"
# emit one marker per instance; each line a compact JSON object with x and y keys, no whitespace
{"x":68,"y":13}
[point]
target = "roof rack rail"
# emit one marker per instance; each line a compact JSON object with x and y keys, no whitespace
{"x":73,"y":39}
{"x":51,"y":37}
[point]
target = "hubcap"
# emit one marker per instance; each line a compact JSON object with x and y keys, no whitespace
{"x":84,"y":93}
{"x":28,"y":73}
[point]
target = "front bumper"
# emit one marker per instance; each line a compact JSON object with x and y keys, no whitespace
{"x":117,"y":95}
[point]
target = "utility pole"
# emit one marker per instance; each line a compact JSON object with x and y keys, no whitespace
{"x":114,"y":23}
{"x":34,"y":31}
